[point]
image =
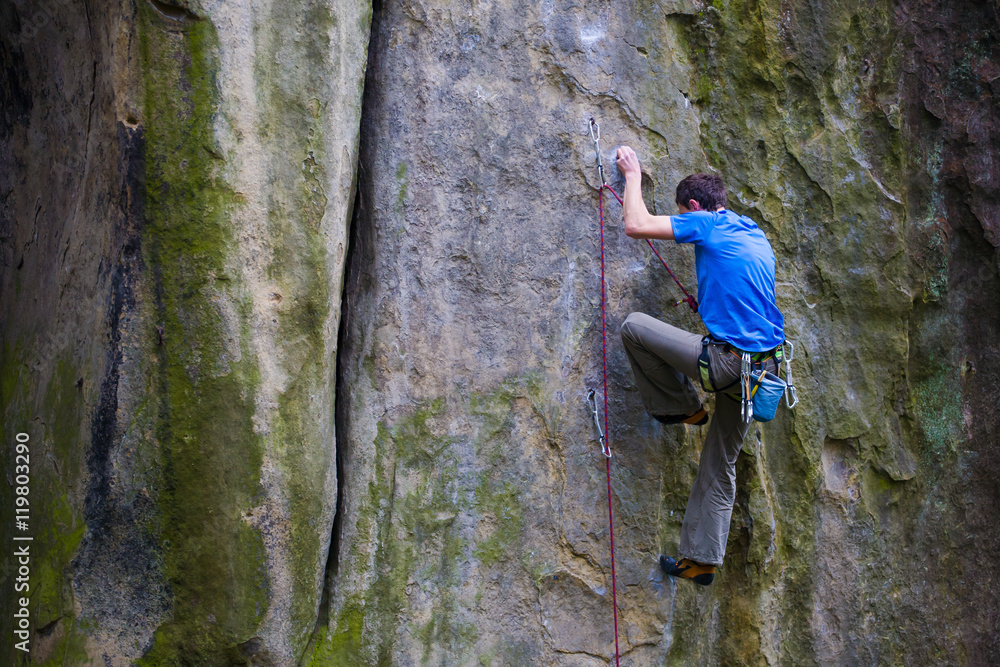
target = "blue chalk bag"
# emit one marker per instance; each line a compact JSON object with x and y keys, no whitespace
{"x":766,"y":390}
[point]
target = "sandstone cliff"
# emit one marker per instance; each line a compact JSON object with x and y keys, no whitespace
{"x":300,"y":310}
{"x":177,"y":189}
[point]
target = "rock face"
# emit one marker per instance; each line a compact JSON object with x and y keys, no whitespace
{"x":177,"y":186}
{"x":223,"y":473}
{"x":474,"y":526}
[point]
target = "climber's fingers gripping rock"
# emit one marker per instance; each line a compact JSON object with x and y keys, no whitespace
{"x":628,"y":162}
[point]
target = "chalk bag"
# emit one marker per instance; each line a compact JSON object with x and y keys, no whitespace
{"x":766,"y":390}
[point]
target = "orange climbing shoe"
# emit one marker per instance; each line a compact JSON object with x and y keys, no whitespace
{"x":698,"y":418}
{"x":688,"y":569}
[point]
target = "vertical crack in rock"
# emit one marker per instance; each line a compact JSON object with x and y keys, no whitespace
{"x":333,"y":555}
{"x":352,"y":265}
{"x":462,"y":527}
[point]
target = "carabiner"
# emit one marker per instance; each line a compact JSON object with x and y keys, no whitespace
{"x":597,"y":148}
{"x":592,"y":401}
{"x":791,"y":396}
{"x":746,"y":404}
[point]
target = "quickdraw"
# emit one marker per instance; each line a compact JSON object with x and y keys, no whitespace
{"x":592,"y":401}
{"x":791,"y":396}
{"x":746,"y":402}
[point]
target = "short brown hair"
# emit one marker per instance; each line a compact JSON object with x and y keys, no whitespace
{"x":706,"y":189}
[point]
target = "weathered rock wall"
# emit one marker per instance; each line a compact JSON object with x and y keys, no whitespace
{"x":860,"y":136}
{"x":177,"y":185}
{"x":177,"y":182}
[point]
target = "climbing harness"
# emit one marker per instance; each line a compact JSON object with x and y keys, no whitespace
{"x":591,"y":399}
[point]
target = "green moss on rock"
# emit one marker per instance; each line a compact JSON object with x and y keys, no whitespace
{"x":211,"y":455}
{"x":500,"y":501}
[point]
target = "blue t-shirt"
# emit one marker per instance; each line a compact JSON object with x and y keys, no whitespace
{"x":735,"y":278}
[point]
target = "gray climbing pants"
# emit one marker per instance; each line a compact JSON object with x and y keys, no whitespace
{"x":664,"y":360}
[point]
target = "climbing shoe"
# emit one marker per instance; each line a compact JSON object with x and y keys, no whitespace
{"x":688,"y":569}
{"x":699,"y":418}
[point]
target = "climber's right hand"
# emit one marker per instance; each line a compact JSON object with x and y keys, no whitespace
{"x":628,"y":163}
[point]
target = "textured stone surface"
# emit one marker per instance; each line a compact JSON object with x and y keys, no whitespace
{"x":177,"y":186}
{"x":474,"y":525}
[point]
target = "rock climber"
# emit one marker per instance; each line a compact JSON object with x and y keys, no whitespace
{"x":735,"y":265}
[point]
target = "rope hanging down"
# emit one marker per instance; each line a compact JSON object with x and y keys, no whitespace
{"x":595,"y":134}
{"x":605,"y":435}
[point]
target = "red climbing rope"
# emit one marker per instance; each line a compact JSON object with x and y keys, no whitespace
{"x":605,"y":434}
{"x":606,"y":445}
{"x":688,"y":297}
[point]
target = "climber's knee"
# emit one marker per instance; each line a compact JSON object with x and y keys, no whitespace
{"x":626,"y":328}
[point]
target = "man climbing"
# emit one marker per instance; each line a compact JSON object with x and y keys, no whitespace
{"x":735,"y":265}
